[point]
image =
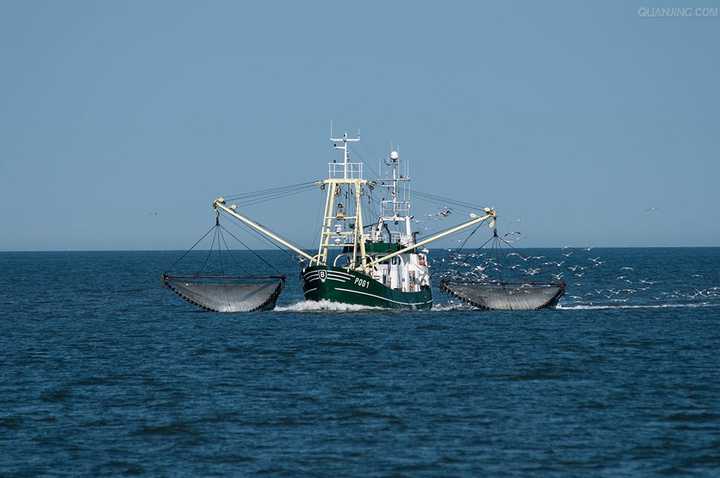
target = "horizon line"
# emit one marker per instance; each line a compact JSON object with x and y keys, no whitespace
{"x":10,"y":251}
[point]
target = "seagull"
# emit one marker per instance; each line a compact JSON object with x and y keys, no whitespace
{"x":445,"y":212}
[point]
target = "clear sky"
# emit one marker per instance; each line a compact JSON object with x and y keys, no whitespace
{"x":582,"y":123}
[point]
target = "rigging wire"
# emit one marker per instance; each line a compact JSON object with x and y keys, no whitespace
{"x":471,"y":235}
{"x":498,"y":267}
{"x":269,"y":191}
{"x":365,"y":161}
{"x":193,"y":247}
{"x":445,"y":200}
{"x":265,"y":195}
{"x":263,"y":237}
{"x":219,"y":251}
{"x":212,"y":245}
{"x":252,"y":250}
{"x":251,"y":201}
{"x":215,"y":249}
{"x":234,"y":259}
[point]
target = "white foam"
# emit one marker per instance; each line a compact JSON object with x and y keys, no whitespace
{"x":328,"y":306}
{"x":450,"y":306}
{"x":323,"y":306}
{"x":647,"y":306}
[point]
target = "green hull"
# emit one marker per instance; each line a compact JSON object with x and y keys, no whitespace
{"x":350,"y":287}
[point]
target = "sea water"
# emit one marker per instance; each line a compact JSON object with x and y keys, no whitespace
{"x":104,"y":372}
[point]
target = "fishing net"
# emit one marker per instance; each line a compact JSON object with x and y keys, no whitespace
{"x":223,"y":293}
{"x":499,"y":292}
{"x":505,"y":296}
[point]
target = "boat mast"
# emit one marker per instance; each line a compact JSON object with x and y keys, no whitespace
{"x":334,"y":231}
{"x":343,"y":146}
{"x":397,"y":208}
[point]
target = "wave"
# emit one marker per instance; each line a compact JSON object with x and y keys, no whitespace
{"x":645,"y":306}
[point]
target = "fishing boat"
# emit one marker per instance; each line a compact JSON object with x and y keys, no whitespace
{"x":381,"y":263}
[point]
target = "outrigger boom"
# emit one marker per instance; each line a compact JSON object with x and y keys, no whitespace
{"x":219,"y":203}
{"x":490,"y":214}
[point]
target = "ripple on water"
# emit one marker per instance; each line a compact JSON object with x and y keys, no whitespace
{"x":693,"y":417}
{"x":57,"y":394}
{"x":175,"y":428}
{"x":550,"y":372}
{"x":11,"y":422}
{"x":116,"y":467}
{"x":131,"y":380}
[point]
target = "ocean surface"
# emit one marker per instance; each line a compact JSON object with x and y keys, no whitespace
{"x":104,"y":372}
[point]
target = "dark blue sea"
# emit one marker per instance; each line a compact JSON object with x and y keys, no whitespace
{"x":104,"y":372}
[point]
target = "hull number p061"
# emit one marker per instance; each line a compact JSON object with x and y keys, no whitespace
{"x":362,"y":282}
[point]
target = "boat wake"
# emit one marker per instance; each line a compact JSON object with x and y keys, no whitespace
{"x":323,"y":306}
{"x":640,"y":306}
{"x":328,"y":306}
{"x":450,"y":306}
{"x":309,"y":306}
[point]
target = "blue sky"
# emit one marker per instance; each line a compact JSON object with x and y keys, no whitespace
{"x":582,"y":123}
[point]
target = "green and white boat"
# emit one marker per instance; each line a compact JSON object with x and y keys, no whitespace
{"x":378,"y":262}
